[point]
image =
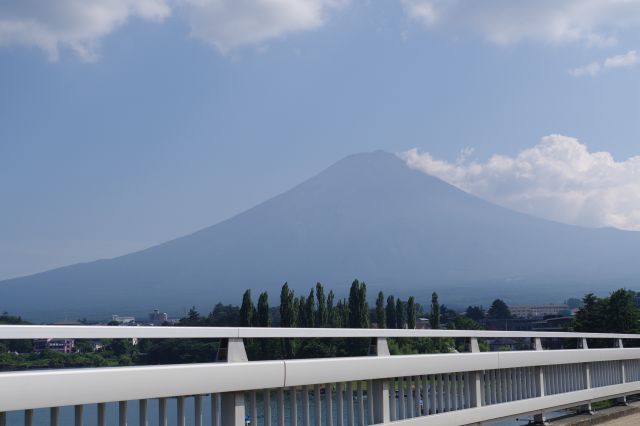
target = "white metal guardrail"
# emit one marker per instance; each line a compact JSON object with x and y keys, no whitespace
{"x":433,"y":389}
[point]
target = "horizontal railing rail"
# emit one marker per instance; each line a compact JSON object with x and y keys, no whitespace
{"x":424,"y":389}
{"x":106,"y":384}
{"x":114,"y":332}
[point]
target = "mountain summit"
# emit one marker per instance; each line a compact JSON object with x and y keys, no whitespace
{"x":369,"y":217}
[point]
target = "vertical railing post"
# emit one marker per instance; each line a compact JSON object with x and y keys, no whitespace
{"x":623,"y":377}
{"x":317,"y":405}
{"x":162,"y":412}
{"x":380,"y":387}
{"x":102,"y":414}
{"x":539,"y":418}
{"x":197,"y":410}
{"x":280,"y":407}
{"x":77,"y":415}
{"x":586,"y":409}
{"x":476,"y":385}
{"x":143,"y":419}
{"x":180,"y":412}
{"x":215,"y":410}
{"x":232,"y":404}
{"x":122,"y":413}
{"x":3,"y":418}
{"x":28,"y":417}
{"x":54,"y":413}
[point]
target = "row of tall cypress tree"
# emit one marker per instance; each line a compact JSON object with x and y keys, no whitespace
{"x":322,"y":311}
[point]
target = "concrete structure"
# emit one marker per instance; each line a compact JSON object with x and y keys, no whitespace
{"x":123,"y":319}
{"x":158,"y":318}
{"x":408,"y":390}
{"x":537,"y":311}
{"x":423,"y":324}
{"x":56,"y":345}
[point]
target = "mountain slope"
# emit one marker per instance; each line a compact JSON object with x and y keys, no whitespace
{"x":367,"y":216}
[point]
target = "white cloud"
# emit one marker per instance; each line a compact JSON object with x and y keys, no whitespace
{"x":74,"y":24}
{"x":228,"y":24}
{"x":592,"y":22}
{"x":79,"y":25}
{"x":558,"y":179}
{"x":628,"y":60}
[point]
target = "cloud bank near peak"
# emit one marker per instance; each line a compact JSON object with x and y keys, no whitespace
{"x":557,"y":179}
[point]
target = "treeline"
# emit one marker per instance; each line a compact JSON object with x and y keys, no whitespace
{"x":318,"y":310}
{"x":616,"y":313}
{"x":497,"y":310}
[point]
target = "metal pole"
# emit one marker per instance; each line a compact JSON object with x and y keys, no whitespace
{"x":54,"y":413}
{"x":28,"y":417}
{"x":476,"y":383}
{"x":197,"y":409}
{"x":122,"y":412}
{"x":215,"y":410}
{"x":162,"y":412}
{"x":180,"y":411}
{"x":623,"y":376}
{"x":586,"y":409}
{"x":293,"y":405}
{"x":318,"y":407}
{"x":77,"y":415}
{"x":102,"y":414}
{"x":142,"y":413}
{"x":233,"y":409}
{"x":539,"y":378}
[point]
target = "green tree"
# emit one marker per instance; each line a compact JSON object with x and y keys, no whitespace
{"x":300,"y":303}
{"x":358,"y":307}
{"x":590,"y":316}
{"x":287,"y":312}
{"x":264,"y":314}
{"x":322,"y":319}
{"x":391,"y":312}
{"x":380,"y":313}
{"x":287,"y":317}
{"x":364,"y":307}
{"x":401,"y":314}
{"x":331,"y":310}
{"x":621,"y":313}
{"x":192,"y":319}
{"x":339,"y":314}
{"x":411,"y":313}
{"x":462,"y":322}
{"x":310,"y":311}
{"x":246,"y":310}
{"x":434,"y":314}
{"x":499,"y":310}
{"x":475,"y":313}
{"x":225,"y":316}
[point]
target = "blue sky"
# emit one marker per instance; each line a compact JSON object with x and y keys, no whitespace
{"x":153,"y":119}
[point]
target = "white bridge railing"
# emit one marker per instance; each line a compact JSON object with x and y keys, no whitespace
{"x":431,"y":389}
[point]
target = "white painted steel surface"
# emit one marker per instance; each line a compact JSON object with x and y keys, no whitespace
{"x":434,"y":389}
{"x":51,"y":388}
{"x":113,"y":332}
{"x":520,"y":408}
